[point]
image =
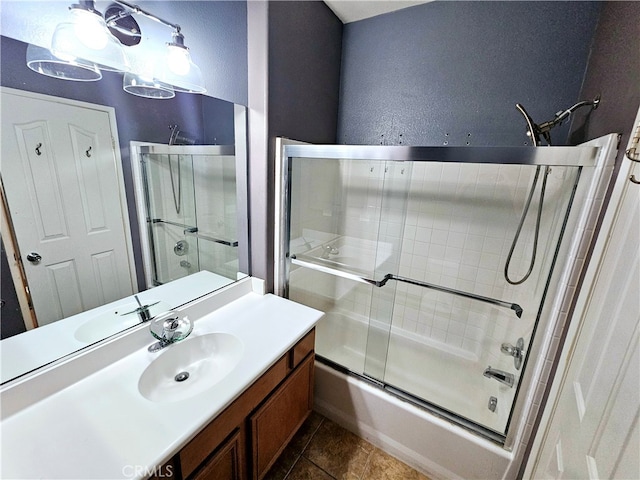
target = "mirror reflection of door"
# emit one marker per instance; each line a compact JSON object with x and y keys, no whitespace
{"x":63,"y":184}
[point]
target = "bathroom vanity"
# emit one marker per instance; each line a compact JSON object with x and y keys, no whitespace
{"x":247,"y":437}
{"x":115,"y":410}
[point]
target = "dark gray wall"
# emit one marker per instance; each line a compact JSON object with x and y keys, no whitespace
{"x":208,"y":119}
{"x":305,"y":48}
{"x":613,"y":72}
{"x":436,"y":72}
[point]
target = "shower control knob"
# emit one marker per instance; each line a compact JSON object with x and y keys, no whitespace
{"x":34,"y":258}
{"x":516,"y":352}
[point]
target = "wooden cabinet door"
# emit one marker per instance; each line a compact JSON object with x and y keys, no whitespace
{"x":275,"y":422}
{"x":227,"y":464}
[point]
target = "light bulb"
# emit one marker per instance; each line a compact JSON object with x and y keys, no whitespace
{"x":178,"y":59}
{"x":90,"y":29}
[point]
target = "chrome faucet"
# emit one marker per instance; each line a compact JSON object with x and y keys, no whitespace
{"x":503,"y":377}
{"x":144,"y":314}
{"x":169,"y":329}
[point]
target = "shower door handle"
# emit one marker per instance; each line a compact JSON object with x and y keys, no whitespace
{"x":34,"y":258}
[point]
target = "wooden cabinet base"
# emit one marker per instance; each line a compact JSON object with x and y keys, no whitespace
{"x":280,"y":417}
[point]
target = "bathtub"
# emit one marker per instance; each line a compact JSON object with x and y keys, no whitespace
{"x":427,"y":442}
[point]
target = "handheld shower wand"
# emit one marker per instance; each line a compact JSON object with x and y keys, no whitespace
{"x":536,"y":131}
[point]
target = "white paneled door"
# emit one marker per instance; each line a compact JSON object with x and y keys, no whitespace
{"x":63,"y":185}
{"x":592,"y":431}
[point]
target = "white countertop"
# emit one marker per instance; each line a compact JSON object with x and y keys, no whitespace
{"x":102,"y":427}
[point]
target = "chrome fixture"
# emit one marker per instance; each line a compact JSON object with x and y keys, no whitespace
{"x":34,"y":257}
{"x":503,"y":377}
{"x":535,"y":131}
{"x":90,"y":42}
{"x":168,"y":329}
{"x":181,"y":248}
{"x":179,"y":137}
{"x":493,"y":403}
{"x":632,"y":153}
{"x":516,"y":352}
{"x":143,"y":310}
{"x":298,"y":260}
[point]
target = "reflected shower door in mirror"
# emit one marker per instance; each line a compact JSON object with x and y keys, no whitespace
{"x":188,"y":211}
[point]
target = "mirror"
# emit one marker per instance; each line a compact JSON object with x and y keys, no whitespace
{"x":198,"y":119}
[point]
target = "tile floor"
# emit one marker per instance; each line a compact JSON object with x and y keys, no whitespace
{"x":323,"y":450}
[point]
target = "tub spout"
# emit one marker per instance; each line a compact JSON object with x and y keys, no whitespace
{"x":503,"y":377}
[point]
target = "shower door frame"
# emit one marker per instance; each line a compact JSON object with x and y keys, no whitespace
{"x":591,"y":158}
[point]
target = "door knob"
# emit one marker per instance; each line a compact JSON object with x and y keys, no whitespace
{"x":34,"y":258}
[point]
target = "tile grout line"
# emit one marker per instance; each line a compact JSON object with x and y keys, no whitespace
{"x":301,"y":454}
{"x":366,"y":465}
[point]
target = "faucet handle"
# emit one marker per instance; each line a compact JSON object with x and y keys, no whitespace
{"x":516,"y":352}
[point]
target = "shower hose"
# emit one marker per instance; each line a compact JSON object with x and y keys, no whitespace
{"x":525,"y":210}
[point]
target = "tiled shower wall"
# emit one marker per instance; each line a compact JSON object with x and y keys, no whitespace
{"x":460,"y":225}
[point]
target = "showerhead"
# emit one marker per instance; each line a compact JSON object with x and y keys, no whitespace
{"x":179,"y":137}
{"x":535,"y":131}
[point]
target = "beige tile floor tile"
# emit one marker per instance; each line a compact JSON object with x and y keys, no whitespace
{"x":323,"y":450}
{"x":338,"y":452}
{"x":382,"y":466}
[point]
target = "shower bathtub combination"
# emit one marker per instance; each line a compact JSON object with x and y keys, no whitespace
{"x":445,"y":275}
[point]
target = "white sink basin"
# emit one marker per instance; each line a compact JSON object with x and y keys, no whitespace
{"x":206,"y":359}
{"x":115,"y":320}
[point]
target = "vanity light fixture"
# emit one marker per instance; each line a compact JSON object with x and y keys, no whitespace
{"x":87,"y":38}
{"x":91,"y":42}
{"x":176,"y":67}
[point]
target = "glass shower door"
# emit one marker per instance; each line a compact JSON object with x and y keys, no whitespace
{"x":172,"y":215}
{"x":453,"y":308}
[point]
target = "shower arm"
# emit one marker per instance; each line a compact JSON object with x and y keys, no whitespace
{"x":389,"y":276}
{"x":543,"y":129}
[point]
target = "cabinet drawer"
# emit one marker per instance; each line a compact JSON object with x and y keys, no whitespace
{"x":275,"y":422}
{"x":301,"y":349}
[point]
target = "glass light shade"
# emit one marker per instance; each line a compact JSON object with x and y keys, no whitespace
{"x":141,"y":87}
{"x":87,"y":38}
{"x":42,"y":61}
{"x":178,"y":70}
